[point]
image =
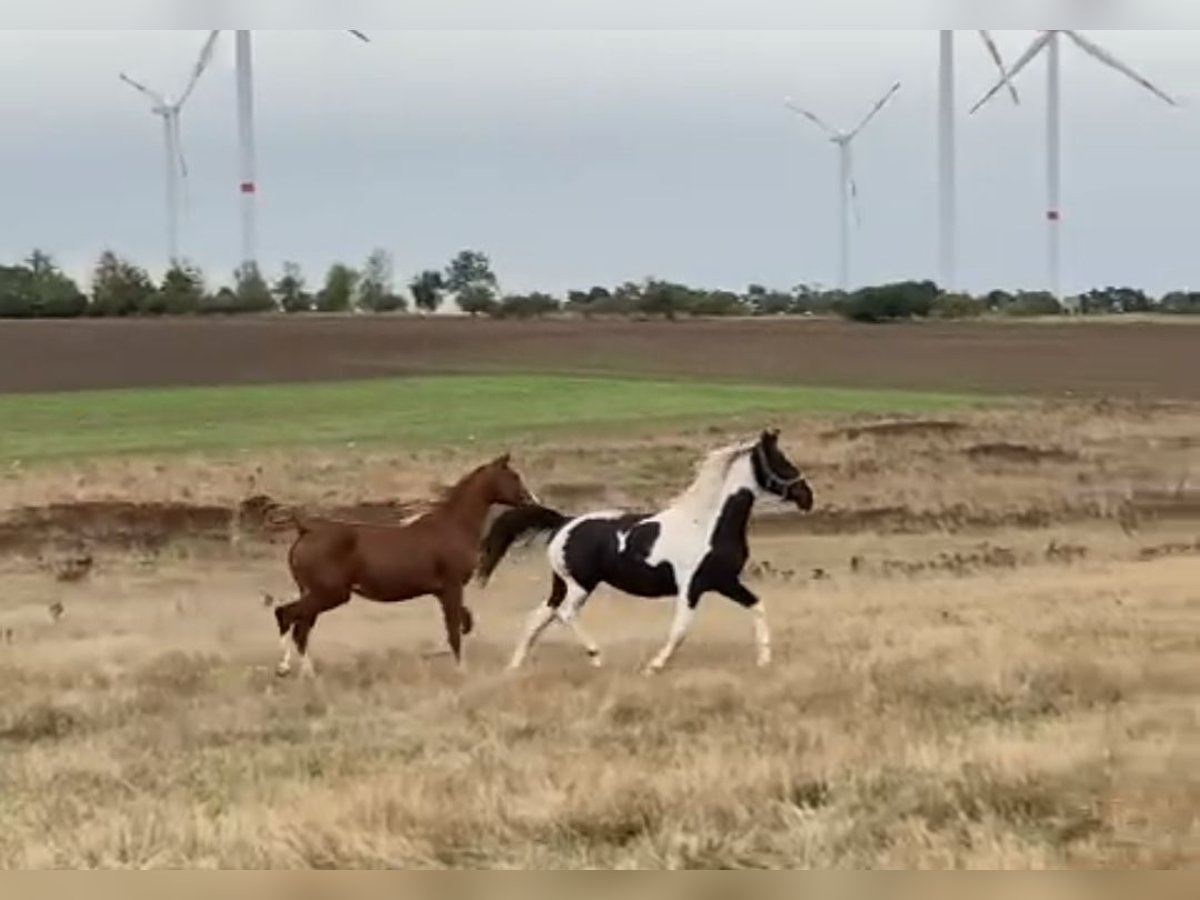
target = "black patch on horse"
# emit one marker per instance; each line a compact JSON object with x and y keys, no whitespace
{"x":615,"y":551}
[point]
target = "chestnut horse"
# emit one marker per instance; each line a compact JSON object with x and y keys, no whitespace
{"x":435,"y":553}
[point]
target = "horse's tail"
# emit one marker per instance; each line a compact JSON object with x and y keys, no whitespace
{"x":509,"y":527}
{"x":278,"y":516}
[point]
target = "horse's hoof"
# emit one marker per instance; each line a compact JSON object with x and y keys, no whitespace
{"x":595,"y":660}
{"x":282,"y":671}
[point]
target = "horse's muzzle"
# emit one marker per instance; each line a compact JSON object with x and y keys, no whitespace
{"x":801,"y":494}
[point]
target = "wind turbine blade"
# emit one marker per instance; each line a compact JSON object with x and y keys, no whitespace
{"x":879,"y":104}
{"x":994,"y":52}
{"x":138,"y":86}
{"x":358,"y":34}
{"x":1039,"y":44}
{"x":202,"y":63}
{"x":812,"y":117}
{"x":1098,"y":52}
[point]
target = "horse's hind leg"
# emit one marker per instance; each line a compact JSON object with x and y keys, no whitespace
{"x":563,"y":595}
{"x":568,"y":614}
{"x":303,"y":616}
{"x":285,"y":618}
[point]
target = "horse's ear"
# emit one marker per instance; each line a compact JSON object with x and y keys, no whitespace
{"x":770,"y":436}
{"x":501,"y":462}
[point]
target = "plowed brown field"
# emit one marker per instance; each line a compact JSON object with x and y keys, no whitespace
{"x":1126,"y":359}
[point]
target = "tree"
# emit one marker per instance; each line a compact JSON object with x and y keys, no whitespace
{"x":120,"y":288}
{"x":717,"y":303}
{"x":901,"y":300}
{"x":427,"y":290}
{"x":587,"y":303}
{"x":957,"y":306}
{"x":289,"y":290}
{"x":54,"y":294}
{"x":338,"y":293}
{"x":1115,"y":300}
{"x":182,"y":290}
{"x":764,"y":302}
{"x":998,"y":300}
{"x":375,"y":292}
{"x":527,"y":306}
{"x":665,"y":298}
{"x":251,"y":289}
{"x":478,"y":299}
{"x":1033,"y":303}
{"x":1182,"y":303}
{"x":469,"y":269}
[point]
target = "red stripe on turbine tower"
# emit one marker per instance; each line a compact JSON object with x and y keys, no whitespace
{"x":248,"y":187}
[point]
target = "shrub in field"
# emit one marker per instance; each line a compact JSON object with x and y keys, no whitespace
{"x":1033,"y":303}
{"x":182,"y":290}
{"x":427,"y":290}
{"x":39,"y":289}
{"x":666,"y":299}
{"x":717,"y":303}
{"x":289,"y":290}
{"x":375,"y":290}
{"x":889,"y":302}
{"x":957,"y":306}
{"x":120,"y":288}
{"x":338,"y":293}
{"x":1183,"y":303}
{"x":252,"y":294}
{"x":527,"y":306}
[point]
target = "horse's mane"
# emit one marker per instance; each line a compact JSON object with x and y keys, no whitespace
{"x":447,"y":495}
{"x":711,"y":472}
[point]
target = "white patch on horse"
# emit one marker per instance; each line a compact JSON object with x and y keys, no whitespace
{"x":687,"y":523}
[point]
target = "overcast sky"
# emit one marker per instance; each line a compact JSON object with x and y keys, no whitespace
{"x":575,"y":157}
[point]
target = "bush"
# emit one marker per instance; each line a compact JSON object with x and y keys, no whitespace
{"x":717,"y":303}
{"x":289,"y":290}
{"x":889,"y":302}
{"x":478,"y":299}
{"x":1033,"y":303}
{"x":527,"y":306}
{"x":120,"y":288}
{"x":957,"y":306}
{"x":666,"y":299}
{"x":338,"y":293}
{"x":1181,"y":303}
{"x":252,"y":294}
{"x":182,"y":290}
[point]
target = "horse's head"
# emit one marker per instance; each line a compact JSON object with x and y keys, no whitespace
{"x":505,"y":486}
{"x":778,"y":475}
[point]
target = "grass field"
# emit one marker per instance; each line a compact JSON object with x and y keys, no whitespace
{"x":985,"y":633}
{"x":411,"y":412}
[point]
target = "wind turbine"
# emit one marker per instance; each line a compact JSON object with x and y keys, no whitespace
{"x":848,"y":190}
{"x":947,"y":153}
{"x":176,"y":164}
{"x":247,"y":165}
{"x":1050,"y":42}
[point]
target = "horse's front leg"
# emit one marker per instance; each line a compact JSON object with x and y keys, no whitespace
{"x":451,"y":599}
{"x":748,"y":600}
{"x":685,"y":611}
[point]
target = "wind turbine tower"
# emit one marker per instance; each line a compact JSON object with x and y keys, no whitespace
{"x":847,"y":188}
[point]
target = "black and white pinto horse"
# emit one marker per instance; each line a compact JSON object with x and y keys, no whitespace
{"x":695,"y":545}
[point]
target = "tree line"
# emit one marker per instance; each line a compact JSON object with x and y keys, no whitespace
{"x":38,"y":288}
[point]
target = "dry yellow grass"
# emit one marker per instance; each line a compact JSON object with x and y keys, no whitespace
{"x":1008,"y":705}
